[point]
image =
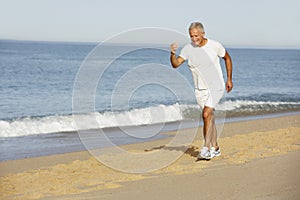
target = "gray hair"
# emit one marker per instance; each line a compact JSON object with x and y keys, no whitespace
{"x":196,"y":25}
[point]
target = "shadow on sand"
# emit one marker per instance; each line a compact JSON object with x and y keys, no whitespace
{"x":191,"y":151}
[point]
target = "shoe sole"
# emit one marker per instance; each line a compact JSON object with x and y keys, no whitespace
{"x":205,"y":157}
{"x":217,"y":155}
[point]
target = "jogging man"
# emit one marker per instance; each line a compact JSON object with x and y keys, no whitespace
{"x":203,"y":56}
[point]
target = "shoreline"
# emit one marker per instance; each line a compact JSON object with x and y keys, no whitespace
{"x":240,"y":118}
{"x":247,"y":145}
{"x":48,"y":144}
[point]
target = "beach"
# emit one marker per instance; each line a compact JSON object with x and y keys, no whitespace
{"x":260,"y":160}
{"x":94,"y":107}
{"x":56,"y":97}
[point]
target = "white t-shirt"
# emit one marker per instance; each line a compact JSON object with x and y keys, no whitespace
{"x":205,"y":65}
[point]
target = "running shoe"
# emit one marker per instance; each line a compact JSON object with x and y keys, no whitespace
{"x":205,"y":154}
{"x":215,"y":152}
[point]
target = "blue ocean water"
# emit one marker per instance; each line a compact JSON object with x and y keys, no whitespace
{"x":37,"y":82}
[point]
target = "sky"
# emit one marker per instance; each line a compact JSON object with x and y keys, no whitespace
{"x":256,"y":23}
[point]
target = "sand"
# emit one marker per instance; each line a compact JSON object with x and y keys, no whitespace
{"x":260,"y":160}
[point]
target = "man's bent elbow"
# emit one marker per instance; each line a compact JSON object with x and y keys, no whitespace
{"x":176,"y":62}
{"x":175,"y":65}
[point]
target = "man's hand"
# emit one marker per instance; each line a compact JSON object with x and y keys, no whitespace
{"x":229,"y":86}
{"x":173,"y":47}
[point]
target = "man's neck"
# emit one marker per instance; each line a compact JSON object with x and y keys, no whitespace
{"x":203,"y":42}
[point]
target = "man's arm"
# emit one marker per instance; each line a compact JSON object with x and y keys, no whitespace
{"x":228,"y":64}
{"x":175,"y":61}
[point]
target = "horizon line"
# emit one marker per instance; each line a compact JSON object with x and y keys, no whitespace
{"x":237,"y":46}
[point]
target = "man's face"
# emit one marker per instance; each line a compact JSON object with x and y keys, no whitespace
{"x":196,"y":36}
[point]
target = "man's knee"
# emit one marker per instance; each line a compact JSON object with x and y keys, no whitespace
{"x":207,"y":113}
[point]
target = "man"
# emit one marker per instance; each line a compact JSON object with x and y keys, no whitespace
{"x":203,"y":60}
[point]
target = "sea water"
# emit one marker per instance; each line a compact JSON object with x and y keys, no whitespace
{"x":37,"y":83}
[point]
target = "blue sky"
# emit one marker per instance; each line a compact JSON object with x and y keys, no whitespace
{"x":265,"y":23}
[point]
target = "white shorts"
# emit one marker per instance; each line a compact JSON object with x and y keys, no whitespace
{"x":204,"y":98}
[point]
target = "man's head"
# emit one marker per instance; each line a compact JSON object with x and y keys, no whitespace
{"x":196,"y":31}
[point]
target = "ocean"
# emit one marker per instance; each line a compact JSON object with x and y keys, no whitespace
{"x":37,"y":93}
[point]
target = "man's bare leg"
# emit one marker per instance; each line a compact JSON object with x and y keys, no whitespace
{"x":208,"y":128}
{"x":214,"y":139}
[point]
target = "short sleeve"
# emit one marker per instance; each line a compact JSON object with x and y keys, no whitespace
{"x":221,"y":51}
{"x":184,"y":53}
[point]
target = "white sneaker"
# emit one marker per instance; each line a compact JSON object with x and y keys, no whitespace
{"x":205,"y":153}
{"x":215,"y":152}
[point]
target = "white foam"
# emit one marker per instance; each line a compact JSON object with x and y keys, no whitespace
{"x":143,"y":116}
{"x":238,"y":104}
{"x":53,"y":124}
